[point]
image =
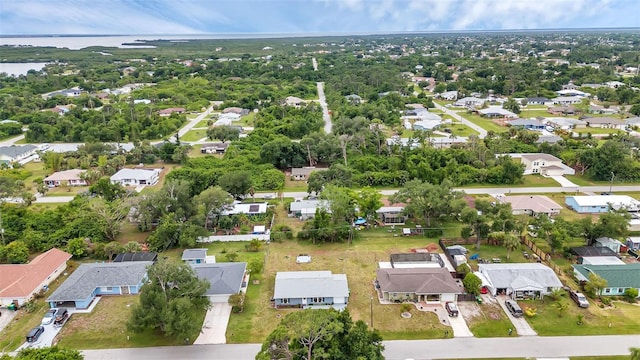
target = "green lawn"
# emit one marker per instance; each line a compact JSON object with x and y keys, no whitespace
{"x":460,"y":130}
{"x":105,"y":328}
{"x":533,"y":113}
{"x":528,"y":181}
{"x":624,"y":318}
{"x":485,"y":123}
{"x":594,"y":130}
{"x":194,"y":135}
{"x":204,"y":123}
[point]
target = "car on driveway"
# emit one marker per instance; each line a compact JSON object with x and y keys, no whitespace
{"x":61,"y":317}
{"x":513,"y":308}
{"x":452,"y":308}
{"x":579,"y":299}
{"x":49,"y":316}
{"x":35,"y":333}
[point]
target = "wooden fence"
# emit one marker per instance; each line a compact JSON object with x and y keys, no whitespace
{"x":541,"y":254}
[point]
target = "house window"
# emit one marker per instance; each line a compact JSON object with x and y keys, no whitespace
{"x":607,"y":291}
{"x":535,"y":163}
{"x":620,"y":290}
{"x":285,"y":301}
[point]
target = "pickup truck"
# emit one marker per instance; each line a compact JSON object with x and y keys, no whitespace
{"x":579,"y":299}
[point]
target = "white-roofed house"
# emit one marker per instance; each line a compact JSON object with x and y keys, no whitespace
{"x":613,"y":244}
{"x":426,"y":125}
{"x":302,"y":174}
{"x":246,"y":208}
{"x":602,"y":203}
{"x":532,"y":205}
{"x":294,"y":101}
{"x":497,"y":111}
{"x":605,"y":122}
{"x":310,"y":289}
{"x":544,"y":164}
{"x":567,"y":100}
{"x":565,"y":123}
{"x":135,"y":177}
{"x":67,"y":177}
{"x":306,"y":209}
{"x":520,"y":280}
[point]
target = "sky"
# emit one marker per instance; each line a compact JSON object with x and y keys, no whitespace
{"x":146,"y":17}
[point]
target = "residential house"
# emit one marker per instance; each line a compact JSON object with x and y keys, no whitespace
{"x":306,"y":209}
{"x":19,"y":283}
{"x":570,"y":86}
{"x":565,"y":123}
{"x":562,"y":110}
{"x":469,"y":102}
{"x":91,"y":280}
{"x":572,"y":93}
{"x":294,"y":101}
{"x":582,"y":252}
{"x":615,"y":245}
{"x":567,"y":100}
{"x":532,"y":205}
{"x":236,"y":110}
{"x":605,"y":122}
{"x":601,"y":203}
{"x":619,"y":277}
{"x":302,"y":174}
{"x":354,"y":99}
{"x":246,"y":208}
{"x":426,"y":125}
{"x":417,"y":284}
{"x":66,"y":178}
{"x":527,"y":124}
{"x":310,"y":289}
{"x":537,"y":100}
{"x":225,"y":279}
{"x":498,"y":112}
{"x":519,"y":280}
{"x":601,"y":260}
{"x":169,"y":111}
{"x":614,"y":84}
{"x":72,"y":92}
{"x":448,"y":95}
{"x":544,"y":164}
{"x":135,"y":177}
{"x":136,"y":256}
{"x":598,"y":109}
{"x":633,"y":243}
{"x":391,"y":214}
{"x":548,"y":138}
{"x":214,"y":148}
{"x":197,"y":256}
{"x":16,"y":153}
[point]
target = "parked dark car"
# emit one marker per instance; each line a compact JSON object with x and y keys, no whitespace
{"x":513,"y":308}
{"x":35,"y":333}
{"x":61,"y":317}
{"x":579,"y":299}
{"x":452,"y":308}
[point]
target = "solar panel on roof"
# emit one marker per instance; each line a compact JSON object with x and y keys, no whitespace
{"x":254,"y":208}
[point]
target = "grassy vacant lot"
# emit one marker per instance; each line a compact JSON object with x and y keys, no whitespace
{"x":533,"y":113}
{"x":358,"y":260}
{"x":194,"y":135}
{"x":485,"y":123}
{"x":204,"y":123}
{"x":528,"y":181}
{"x":292,"y":185}
{"x":106,"y":328}
{"x":460,"y":130}
{"x":623,"y":318}
{"x":486,"y":320}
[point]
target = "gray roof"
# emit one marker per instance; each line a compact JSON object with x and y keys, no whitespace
{"x":525,"y":122}
{"x":87,"y":277}
{"x":190,"y":254}
{"x":305,"y":170}
{"x":15,"y":151}
{"x":520,"y":274}
{"x":604,"y":121}
{"x":418,"y":280}
{"x":309,"y":205}
{"x":305,"y":284}
{"x":224,"y":278}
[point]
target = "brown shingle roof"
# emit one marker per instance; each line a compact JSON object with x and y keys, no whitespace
{"x":21,"y":280}
{"x":418,"y":281}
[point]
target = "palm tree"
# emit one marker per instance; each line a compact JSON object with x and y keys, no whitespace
{"x":635,"y":353}
{"x":511,"y":242}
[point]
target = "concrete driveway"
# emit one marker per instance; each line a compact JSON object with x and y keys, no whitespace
{"x":215,"y":325}
{"x":520,"y":325}
{"x":45,"y":339}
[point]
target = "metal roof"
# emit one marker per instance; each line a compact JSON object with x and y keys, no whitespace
{"x":305,"y":284}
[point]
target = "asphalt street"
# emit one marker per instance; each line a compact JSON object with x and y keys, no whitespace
{"x":456,"y":348}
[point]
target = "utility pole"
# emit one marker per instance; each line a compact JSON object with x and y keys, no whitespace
{"x":611,"y":183}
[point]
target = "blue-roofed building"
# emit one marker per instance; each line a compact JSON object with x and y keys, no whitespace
{"x":527,"y":124}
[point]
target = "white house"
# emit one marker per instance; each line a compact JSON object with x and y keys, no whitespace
{"x":601,"y":203}
{"x":610,"y":243}
{"x":135,"y":177}
{"x":544,"y":164}
{"x":567,"y":100}
{"x":531,"y":204}
{"x":497,"y":111}
{"x":449,"y":95}
{"x":520,"y":280}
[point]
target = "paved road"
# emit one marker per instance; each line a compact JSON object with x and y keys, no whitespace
{"x":191,"y":124}
{"x":456,"y":348}
{"x":315,"y":64}
{"x":325,"y":109}
{"x":482,"y":132}
{"x":11,"y":141}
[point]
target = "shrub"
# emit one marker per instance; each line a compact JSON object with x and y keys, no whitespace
{"x":433,"y":233}
{"x":232,"y":257}
{"x":253,"y":246}
{"x":631,"y":294}
{"x":405,"y":308}
{"x":530,"y":311}
{"x":472,"y":283}
{"x":605,"y":300}
{"x":580,"y":319}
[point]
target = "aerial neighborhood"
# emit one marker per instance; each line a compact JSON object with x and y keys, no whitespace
{"x":367,"y":188}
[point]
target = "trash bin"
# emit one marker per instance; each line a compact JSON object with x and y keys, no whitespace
{"x":11,"y":307}
{"x":479,"y":299}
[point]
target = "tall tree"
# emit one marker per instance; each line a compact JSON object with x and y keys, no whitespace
{"x":223,"y":133}
{"x":236,"y":183}
{"x":211,"y":203}
{"x":171,"y":301}
{"x":429,"y":201}
{"x":368,"y":200}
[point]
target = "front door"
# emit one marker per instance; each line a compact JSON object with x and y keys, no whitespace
{"x":124,"y":290}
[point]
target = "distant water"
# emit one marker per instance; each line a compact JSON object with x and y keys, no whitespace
{"x":81,"y":42}
{"x":20,"y":68}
